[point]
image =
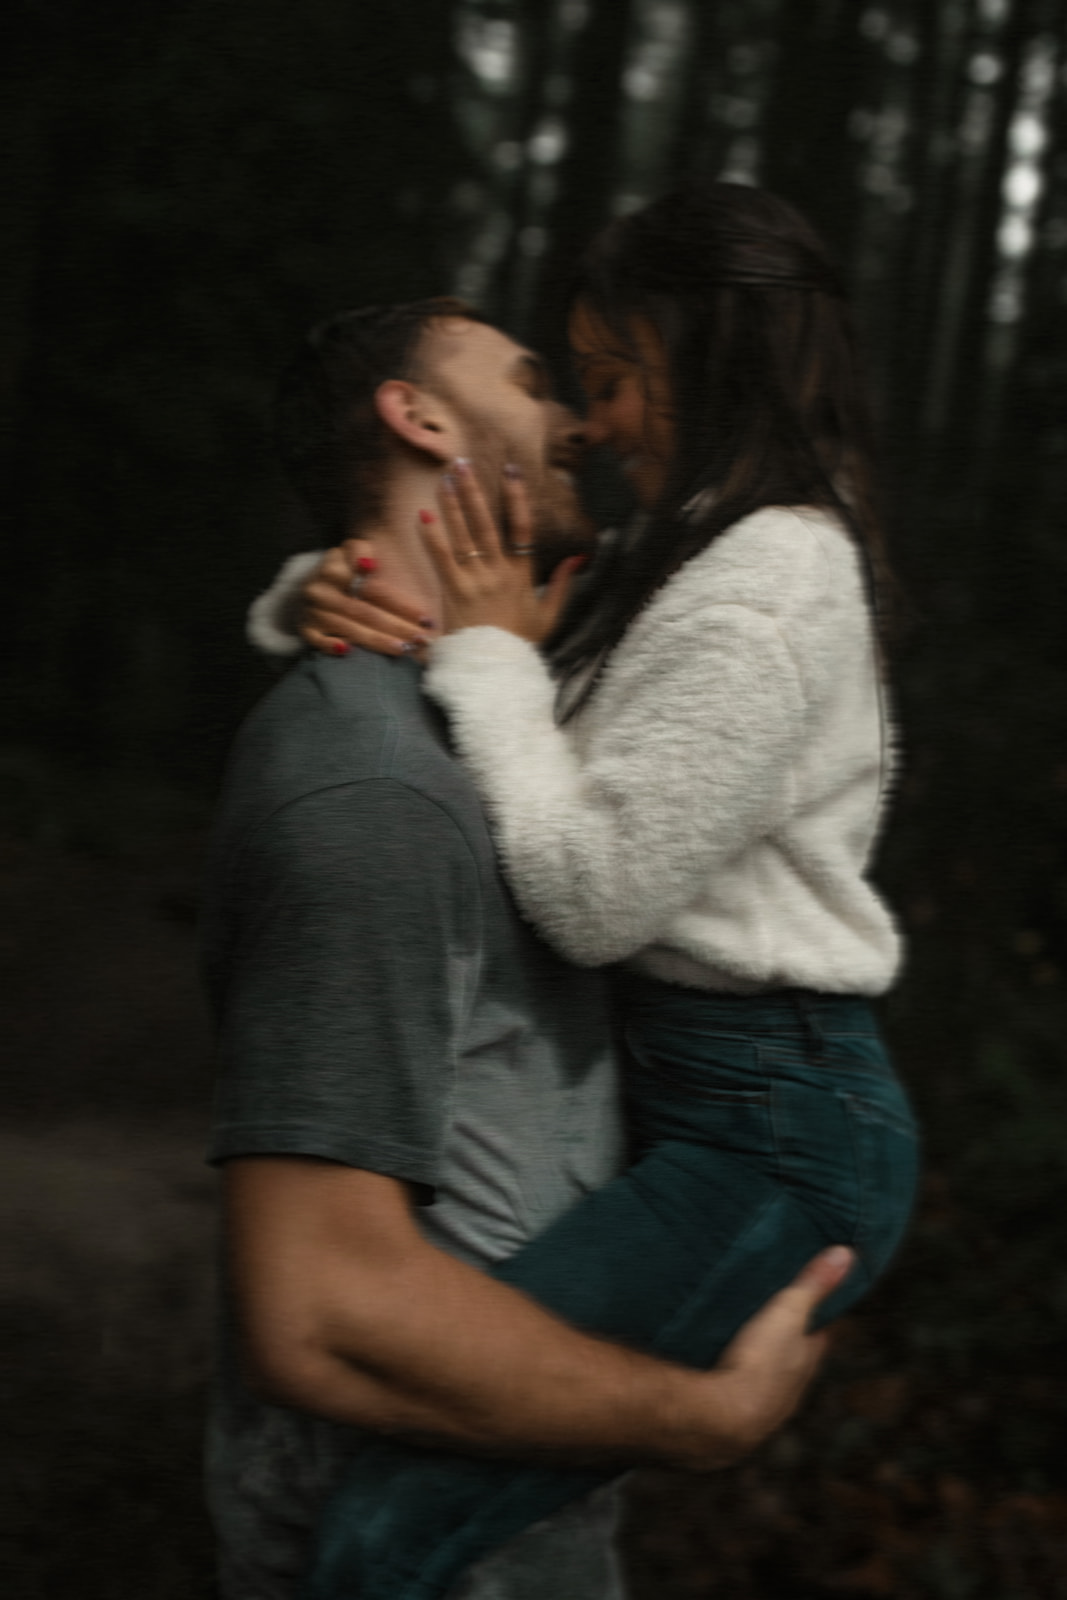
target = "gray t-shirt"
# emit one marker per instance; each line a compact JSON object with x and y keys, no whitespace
{"x":380,"y":1003}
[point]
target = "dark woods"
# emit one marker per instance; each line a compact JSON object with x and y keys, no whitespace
{"x":188,"y":189}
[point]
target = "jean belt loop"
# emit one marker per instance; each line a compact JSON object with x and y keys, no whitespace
{"x":809,"y":1022}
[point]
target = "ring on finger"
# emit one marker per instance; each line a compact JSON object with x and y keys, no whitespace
{"x":522,"y":549}
{"x":468,"y":555}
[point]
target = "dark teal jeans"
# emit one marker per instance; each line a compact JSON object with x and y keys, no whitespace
{"x":764,"y":1129}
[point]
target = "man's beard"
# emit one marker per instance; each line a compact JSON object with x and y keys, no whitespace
{"x":556,"y":543}
{"x":561,"y":527}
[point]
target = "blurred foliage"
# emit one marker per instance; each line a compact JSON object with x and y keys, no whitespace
{"x":191,"y":185}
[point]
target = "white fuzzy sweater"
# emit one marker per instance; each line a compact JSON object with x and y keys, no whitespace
{"x":710,"y":813}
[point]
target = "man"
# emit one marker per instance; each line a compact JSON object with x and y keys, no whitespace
{"x":412,"y":1085}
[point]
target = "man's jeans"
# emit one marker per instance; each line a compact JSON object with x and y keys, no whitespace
{"x":765,"y":1128}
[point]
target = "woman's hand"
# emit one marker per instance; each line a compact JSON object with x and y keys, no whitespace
{"x":485,"y":581}
{"x":343,"y":603}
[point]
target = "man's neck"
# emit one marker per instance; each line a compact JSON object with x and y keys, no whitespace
{"x":398,"y":537}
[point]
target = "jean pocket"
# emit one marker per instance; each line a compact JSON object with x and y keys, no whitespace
{"x":707,"y":1089}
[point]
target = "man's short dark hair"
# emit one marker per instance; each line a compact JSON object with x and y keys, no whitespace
{"x":327,"y":432}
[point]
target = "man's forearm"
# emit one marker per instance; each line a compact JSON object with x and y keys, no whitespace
{"x":460,"y":1359}
{"x":349,"y":1312}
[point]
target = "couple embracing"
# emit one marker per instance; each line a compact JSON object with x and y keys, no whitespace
{"x":540,"y":937}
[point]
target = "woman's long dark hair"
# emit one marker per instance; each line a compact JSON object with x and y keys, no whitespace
{"x":768,"y":394}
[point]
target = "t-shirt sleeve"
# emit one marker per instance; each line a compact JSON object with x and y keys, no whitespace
{"x":353,"y":950}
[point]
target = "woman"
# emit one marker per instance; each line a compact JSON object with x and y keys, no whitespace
{"x":687,"y":783}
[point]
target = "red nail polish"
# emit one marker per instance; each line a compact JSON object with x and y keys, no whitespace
{"x":366,"y":564}
{"x":426,"y":517}
{"x":339,"y":647}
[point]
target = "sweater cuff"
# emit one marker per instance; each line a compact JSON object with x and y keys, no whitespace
{"x":271,"y":621}
{"x":487,"y":663}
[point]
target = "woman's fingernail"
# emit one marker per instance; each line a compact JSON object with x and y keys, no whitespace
{"x":512,"y":471}
{"x":409,"y":646}
{"x":461,"y":466}
{"x":427,"y":622}
{"x":339,"y":647}
{"x":426,"y":517}
{"x":448,"y":483}
{"x":366,"y":564}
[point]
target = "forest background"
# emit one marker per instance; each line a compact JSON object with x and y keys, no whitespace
{"x":189,"y":186}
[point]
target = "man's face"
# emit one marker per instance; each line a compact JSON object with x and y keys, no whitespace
{"x":501,"y":401}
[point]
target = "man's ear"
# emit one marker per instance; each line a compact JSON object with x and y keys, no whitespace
{"x":415,"y":417}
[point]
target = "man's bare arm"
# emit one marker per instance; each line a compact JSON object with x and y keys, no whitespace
{"x":350,"y":1313}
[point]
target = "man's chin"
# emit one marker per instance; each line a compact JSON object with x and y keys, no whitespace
{"x":566,"y":530}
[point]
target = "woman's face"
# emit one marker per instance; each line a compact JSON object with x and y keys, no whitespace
{"x":628,"y":398}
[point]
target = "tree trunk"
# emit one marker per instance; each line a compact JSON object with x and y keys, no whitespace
{"x":969,"y":366}
{"x":694,"y":149}
{"x":588,"y":171}
{"x":536,"y":24}
{"x":916,"y":300}
{"x":808,"y":152}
